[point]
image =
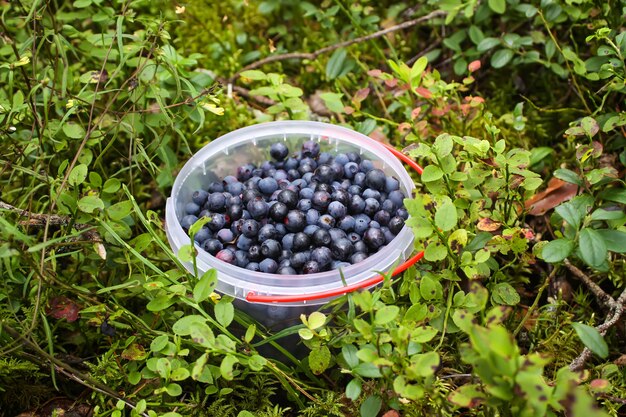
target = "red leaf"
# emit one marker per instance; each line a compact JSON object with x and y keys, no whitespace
{"x":423,"y":92}
{"x":557,"y":192}
{"x":63,"y":308}
{"x":361,"y":95}
{"x":474,"y":66}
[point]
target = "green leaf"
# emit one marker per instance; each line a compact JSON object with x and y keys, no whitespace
{"x":617,"y":195}
{"x":425,"y":364}
{"x":339,"y":64}
{"x":120,"y":210}
{"x":601,"y":214}
{"x":245,"y":413}
{"x":316,"y":320}
{"x":446,"y":216}
{"x":367,"y":370}
{"x":371,"y":406}
{"x":442,"y":146}
{"x":498,"y":6}
{"x":568,"y":176}
{"x":431,"y":173}
{"x":503,"y":293}
{"x":571,"y":214}
{"x":73,"y":130}
{"x":255,"y":75}
{"x":250,"y":332}
{"x":349,"y":355}
{"x":160,"y":303}
{"x":257,"y":362}
{"x":205,"y":285}
{"x":591,"y":337}
{"x":89,"y":203}
{"x":184,"y":326}
{"x":111,"y":185}
{"x":353,"y":389}
{"x":615,"y":240}
{"x":435,"y":251}
{"x":429,"y":288}
{"x":333,"y":101}
{"x":174,"y":389}
{"x":319,"y":359}
{"x":159,"y":343}
{"x":593,"y":250}
{"x":79,"y":4}
{"x":386,"y":315}
{"x":467,"y":396}
{"x":486,"y":44}
{"x":226,"y":367}
{"x":78,"y":175}
{"x":501,"y":58}
{"x":224,"y":312}
{"x":479,"y":241}
{"x":557,"y":250}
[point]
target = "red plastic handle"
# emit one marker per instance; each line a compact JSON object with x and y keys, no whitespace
{"x":256,"y":298}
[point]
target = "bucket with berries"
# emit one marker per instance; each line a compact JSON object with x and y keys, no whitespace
{"x":299,"y":213}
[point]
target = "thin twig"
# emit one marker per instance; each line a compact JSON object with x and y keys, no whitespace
{"x":315,"y":54}
{"x":602,"y":297}
{"x":536,"y":302}
{"x":610,"y":321}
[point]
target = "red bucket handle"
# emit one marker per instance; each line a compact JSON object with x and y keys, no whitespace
{"x":252,"y":297}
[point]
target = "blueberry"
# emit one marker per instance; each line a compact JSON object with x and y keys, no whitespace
{"x":342,"y":158}
{"x":358,"y":257}
{"x":391,"y":184}
{"x":341,"y":249}
{"x":288,"y":198}
{"x":354,"y":237}
{"x":278,"y":211}
{"x":268,"y":265}
{"x":359,"y":179}
{"x":293,"y":175}
{"x":371,"y":206}
{"x":284,"y":256}
{"x":244,"y":243}
{"x":336,"y":234}
{"x":321,"y":237}
{"x":339,"y":264}
{"x":310,"y":229}
{"x":325,"y":174}
{"x":306,"y":192}
{"x":342,"y":196}
{"x":360,"y":246}
{"x":281,"y":230}
{"x":298,"y":259}
{"x":295,"y":221}
{"x":235,"y":188}
{"x":234,"y":211}
{"x":280,"y":175}
{"x":397,"y":197}
{"x":257,"y":172}
{"x":320,"y":200}
{"x":310,"y":148}
{"x":356,"y":204}
{"x":253,"y":266}
{"x":212,"y":246}
{"x":350,"y":169}
{"x":301,"y":241}
{"x":346,"y":223}
{"x":258,"y":209}
{"x":312,"y":216}
{"x":226,"y":255}
{"x":271,"y":249}
{"x":241,"y":258}
{"x":337,"y":210}
{"x":374,"y":238}
{"x":268,"y":231}
{"x":235,"y":226}
{"x":323,"y":256}
{"x":204,"y":213}
{"x":311,"y":267}
{"x":217,"y":222}
{"x":254,"y":253}
{"x":192,"y":208}
{"x":402,"y":212}
{"x":279,"y":151}
{"x":287,"y":241}
{"x":202,"y":235}
{"x":216,"y":187}
{"x":324,"y":158}
{"x":396,"y":224}
{"x":225,"y":235}
{"x":291,"y":163}
{"x":286,"y":270}
{"x":366,"y":165}
{"x":250,"y":228}
{"x":244,"y":172}
{"x":361,"y":223}
{"x":353,"y":157}
{"x":304,"y":205}
{"x":355,"y":190}
{"x":306,"y":168}
{"x":307,"y":177}
{"x":326,"y":221}
{"x":388,"y":205}
{"x":338,"y":169}
{"x":374,"y":224}
{"x":382,"y":217}
{"x":199,"y":197}
{"x":249,"y":195}
{"x":268,"y":185}
{"x":371,"y":193}
{"x":388,"y":235}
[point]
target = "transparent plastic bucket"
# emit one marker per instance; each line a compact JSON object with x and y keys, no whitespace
{"x":283,"y":293}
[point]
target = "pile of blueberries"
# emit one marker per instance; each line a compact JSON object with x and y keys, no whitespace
{"x":300,"y":214}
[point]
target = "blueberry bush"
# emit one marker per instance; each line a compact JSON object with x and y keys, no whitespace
{"x":514,"y":108}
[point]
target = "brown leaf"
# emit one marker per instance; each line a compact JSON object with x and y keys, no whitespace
{"x":391,"y":413}
{"x":488,"y":225}
{"x":557,"y":192}
{"x":621,"y":361}
{"x":63,"y":308}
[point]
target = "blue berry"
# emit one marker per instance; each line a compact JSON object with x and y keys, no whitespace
{"x":250,"y":195}
{"x":326,"y":221}
{"x":253,"y":266}
{"x":234,"y":188}
{"x":342,"y":158}
{"x":396,"y":224}
{"x":268,"y":265}
{"x":374,"y":238}
{"x":397,"y":198}
{"x":202,"y":235}
{"x":212,"y":246}
{"x":268,"y":185}
{"x":289,"y":198}
{"x":279,"y":151}
{"x":366,"y":165}
{"x":341,"y":249}
{"x":258,"y":209}
{"x":324,"y":158}
{"x":254,"y":253}
{"x":244,"y":172}
{"x":271,"y":249}
{"x":310,"y":148}
{"x":321,"y":237}
{"x":346,"y":223}
{"x":360,"y":246}
{"x":374,"y":224}
{"x":350,"y":169}
{"x":250,"y":228}
{"x":310,"y":229}
{"x":188,"y":221}
{"x":298,"y":259}
{"x":295,"y":221}
{"x":216,"y":187}
{"x":341,"y":195}
{"x":337,"y":210}
{"x":336,"y":234}
{"x":307,"y":193}
{"x":199,"y":197}
{"x":311,"y":267}
{"x":323,"y":256}
{"x":389,"y":236}
{"x":241,"y":258}
{"x":391,"y":184}
{"x":278,"y":211}
{"x":226,"y":255}
{"x":304,"y":204}
{"x":320,"y":200}
{"x":371,"y":206}
{"x":361,"y":223}
{"x":225,"y":235}
{"x":267,"y":232}
{"x":325,"y":174}
{"x":358,"y":257}
{"x":382,"y":217}
{"x":192,"y":208}
{"x":244,"y":243}
{"x":234,"y":211}
{"x":301,"y":241}
{"x":287,"y":241}
{"x":402,"y":212}
{"x":286,"y":270}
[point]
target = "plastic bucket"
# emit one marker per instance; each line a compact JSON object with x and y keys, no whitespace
{"x":270,"y":297}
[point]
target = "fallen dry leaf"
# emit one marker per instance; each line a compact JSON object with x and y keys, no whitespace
{"x":63,"y":308}
{"x":621,"y":361}
{"x":557,"y":192}
{"x":488,"y":225}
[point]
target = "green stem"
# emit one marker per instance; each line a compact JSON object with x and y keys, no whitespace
{"x":536,"y":302}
